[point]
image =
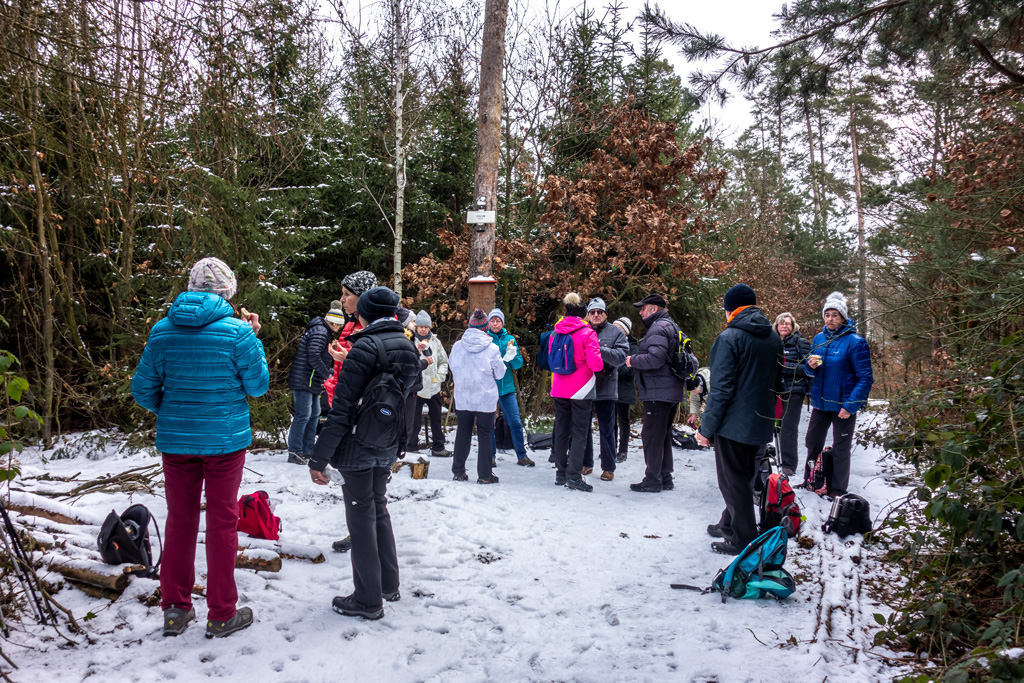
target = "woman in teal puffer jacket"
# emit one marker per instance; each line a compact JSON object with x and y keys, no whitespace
{"x":199,"y":365}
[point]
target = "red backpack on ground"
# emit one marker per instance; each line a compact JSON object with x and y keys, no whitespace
{"x":779,"y":506}
{"x":256,"y":518}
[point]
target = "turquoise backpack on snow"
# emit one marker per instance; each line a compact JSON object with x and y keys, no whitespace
{"x":757,"y":572}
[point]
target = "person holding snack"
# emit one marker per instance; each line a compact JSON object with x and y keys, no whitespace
{"x":198,"y":368}
{"x":840,"y":362}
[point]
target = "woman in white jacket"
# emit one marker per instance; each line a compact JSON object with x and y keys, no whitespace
{"x":475,"y":364}
{"x":434,"y":376}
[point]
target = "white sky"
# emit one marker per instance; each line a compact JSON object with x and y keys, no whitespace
{"x":744,"y":23}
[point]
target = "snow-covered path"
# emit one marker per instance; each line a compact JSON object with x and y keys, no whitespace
{"x":521,"y":581}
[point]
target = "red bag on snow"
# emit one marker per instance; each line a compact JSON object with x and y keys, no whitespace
{"x":256,"y":518}
{"x":779,"y":506}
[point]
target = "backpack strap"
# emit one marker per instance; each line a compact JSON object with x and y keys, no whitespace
{"x":688,"y":587}
{"x":382,"y":354}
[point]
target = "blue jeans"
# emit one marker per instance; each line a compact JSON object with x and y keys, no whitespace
{"x":302,"y":433}
{"x":510,"y":409}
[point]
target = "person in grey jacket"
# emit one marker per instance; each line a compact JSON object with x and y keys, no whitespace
{"x":627,"y":390}
{"x":746,"y":373}
{"x":660,"y":390}
{"x":614,"y":349}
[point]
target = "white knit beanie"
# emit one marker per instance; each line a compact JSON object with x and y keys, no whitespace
{"x":836,"y":302}
{"x":212,"y":275}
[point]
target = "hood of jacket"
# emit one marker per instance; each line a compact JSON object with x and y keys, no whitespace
{"x":317,"y":322}
{"x":752,"y":320}
{"x":568,"y":325}
{"x":195,"y":309}
{"x":475,"y":340}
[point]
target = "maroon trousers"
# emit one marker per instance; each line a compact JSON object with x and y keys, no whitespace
{"x":184,"y":479}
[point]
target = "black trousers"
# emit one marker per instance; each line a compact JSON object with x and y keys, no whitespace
{"x":605,"y":411}
{"x":484,"y":443}
{"x":622,"y":420}
{"x":572,"y":423}
{"x":374,"y":556}
{"x":411,"y":413}
{"x":434,"y":410}
{"x":842,"y":444}
{"x":789,"y":457}
{"x":734,"y":464}
{"x":657,"y":437}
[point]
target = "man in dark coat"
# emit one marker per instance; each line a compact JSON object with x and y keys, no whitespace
{"x":746,"y":373}
{"x":366,"y":470}
{"x":660,"y":391}
{"x":311,"y":367}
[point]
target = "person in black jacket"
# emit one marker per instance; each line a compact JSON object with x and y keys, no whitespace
{"x":627,"y":391}
{"x":795,"y":385}
{"x":311,"y":367}
{"x":367,"y":470}
{"x":745,"y":371}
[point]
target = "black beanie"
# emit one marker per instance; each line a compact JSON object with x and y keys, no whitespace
{"x":377,"y":303}
{"x":739,"y":295}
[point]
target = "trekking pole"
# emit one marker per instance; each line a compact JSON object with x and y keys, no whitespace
{"x":23,"y":568}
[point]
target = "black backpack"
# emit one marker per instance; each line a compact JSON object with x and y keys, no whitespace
{"x":502,"y":434}
{"x":688,"y":442}
{"x":380,"y":413}
{"x":851,"y":514}
{"x":124,"y":539}
{"x":682,"y":361}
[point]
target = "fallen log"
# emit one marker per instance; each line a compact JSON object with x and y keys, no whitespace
{"x":33,"y":511}
{"x":260,"y":560}
{"x":107,"y":576}
{"x":288,"y":551}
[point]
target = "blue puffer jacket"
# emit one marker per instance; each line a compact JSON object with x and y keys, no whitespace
{"x":195,"y":372}
{"x":507,"y":385}
{"x":844,"y":377}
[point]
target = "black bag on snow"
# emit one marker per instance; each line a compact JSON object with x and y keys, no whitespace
{"x":688,"y":442}
{"x":539,"y":442}
{"x":764,"y":468}
{"x":124,"y":539}
{"x":380,"y":415}
{"x":851,"y":514}
{"x":502,"y":433}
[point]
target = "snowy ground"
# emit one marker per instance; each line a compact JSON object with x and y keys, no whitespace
{"x":521,"y":581}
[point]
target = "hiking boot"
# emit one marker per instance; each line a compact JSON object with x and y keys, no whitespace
{"x":392,"y":597}
{"x":461,"y":477}
{"x":551,"y":458}
{"x":587,"y":470}
{"x":440,"y":453}
{"x":176,"y":619}
{"x":644,"y":487}
{"x":578,"y":485}
{"x":342,"y":546}
{"x":607,"y":476}
{"x":350,"y":607}
{"x":715,"y":531}
{"x":559,"y":480}
{"x":725,"y":548}
{"x":525,"y":461}
{"x":788,"y":471}
{"x":621,"y":457}
{"x":494,"y":462}
{"x":296,"y":459}
{"x":223,"y":629}
{"x":493,"y":479}
{"x":667,"y":484}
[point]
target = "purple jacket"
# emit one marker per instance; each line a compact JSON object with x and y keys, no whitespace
{"x":654,"y":378}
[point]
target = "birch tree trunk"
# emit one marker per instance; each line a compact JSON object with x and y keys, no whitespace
{"x":401,"y":60}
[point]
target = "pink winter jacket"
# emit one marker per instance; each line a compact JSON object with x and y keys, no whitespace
{"x":586,"y":353}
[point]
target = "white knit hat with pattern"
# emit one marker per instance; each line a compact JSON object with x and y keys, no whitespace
{"x":212,"y":275}
{"x":835,"y":302}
